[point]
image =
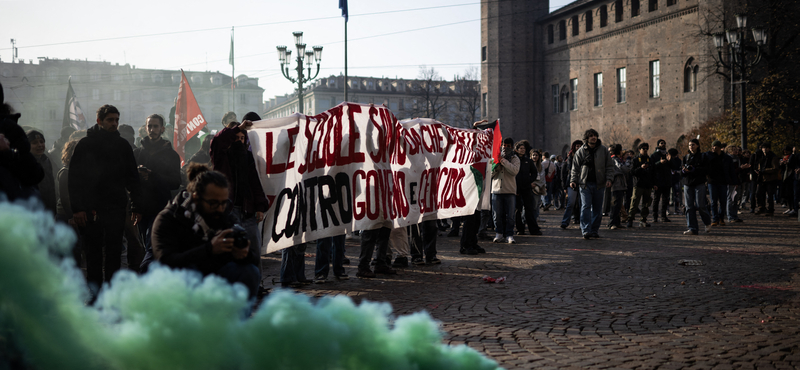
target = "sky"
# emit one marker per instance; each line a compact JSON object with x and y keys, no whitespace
{"x":385,"y":38}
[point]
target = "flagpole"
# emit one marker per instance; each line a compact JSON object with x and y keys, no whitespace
{"x":345,"y":59}
{"x":233,"y":76}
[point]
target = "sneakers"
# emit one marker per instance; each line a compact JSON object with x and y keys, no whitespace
{"x":643,"y":224}
{"x":587,"y":236}
{"x":385,"y":270}
{"x":629,"y":224}
{"x":690,"y":232}
{"x":319,"y":279}
{"x":613,"y":227}
{"x":433,"y":261}
{"x":786,"y":212}
{"x":510,"y":240}
{"x":400,"y":262}
{"x":792,"y":213}
{"x":708,"y":228}
{"x":342,"y":277}
{"x":367,"y":274}
{"x":418,"y":261}
{"x":498,"y":238}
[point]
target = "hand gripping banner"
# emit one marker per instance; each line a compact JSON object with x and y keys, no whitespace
{"x":355,"y":167}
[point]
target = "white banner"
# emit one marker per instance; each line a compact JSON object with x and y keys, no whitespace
{"x":355,"y":167}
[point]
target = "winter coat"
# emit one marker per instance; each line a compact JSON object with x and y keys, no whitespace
{"x":63,"y":206}
{"x":504,"y":176}
{"x":662,"y":172}
{"x":719,"y":168}
{"x":179,"y":241}
{"x":526,"y":175}
{"x":19,"y":170}
{"x":622,"y":170}
{"x":165,"y":174}
{"x":694,"y":169}
{"x":245,"y":184}
{"x":768,"y":167}
{"x":101,"y":169}
{"x":603,"y":167}
{"x":47,"y":187}
{"x":643,"y":177}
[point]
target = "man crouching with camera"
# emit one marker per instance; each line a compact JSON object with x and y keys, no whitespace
{"x":197,"y":231}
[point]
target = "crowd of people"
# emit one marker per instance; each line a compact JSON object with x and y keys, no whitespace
{"x":129,"y":199}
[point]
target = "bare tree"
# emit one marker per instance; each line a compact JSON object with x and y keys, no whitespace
{"x":469,"y":97}
{"x":428,"y":94}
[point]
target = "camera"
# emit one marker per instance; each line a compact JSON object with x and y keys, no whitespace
{"x":239,"y":236}
{"x":688,"y":168}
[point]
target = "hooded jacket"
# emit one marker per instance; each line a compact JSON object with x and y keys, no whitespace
{"x":165,"y":174}
{"x":622,"y":170}
{"x":603,"y":167}
{"x":527,"y":174}
{"x":245,"y":185}
{"x":101,"y":169}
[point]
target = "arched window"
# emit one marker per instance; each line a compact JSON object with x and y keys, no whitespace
{"x":562,"y":30}
{"x":618,"y":11}
{"x":603,"y":16}
{"x":690,"y":76}
{"x":575,"y":26}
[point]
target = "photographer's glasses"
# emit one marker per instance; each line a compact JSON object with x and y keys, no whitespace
{"x":226,"y":205}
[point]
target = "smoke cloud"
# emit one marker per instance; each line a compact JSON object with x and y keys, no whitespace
{"x":179,"y":320}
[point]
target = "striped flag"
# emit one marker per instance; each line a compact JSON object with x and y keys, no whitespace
{"x":73,"y":114}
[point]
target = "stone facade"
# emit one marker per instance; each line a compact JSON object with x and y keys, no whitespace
{"x":631,"y":74}
{"x":457,"y":102}
{"x":38,"y":91}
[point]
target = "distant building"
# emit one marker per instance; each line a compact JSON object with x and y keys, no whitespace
{"x":456,"y":103}
{"x":38,"y":91}
{"x":632,"y":69}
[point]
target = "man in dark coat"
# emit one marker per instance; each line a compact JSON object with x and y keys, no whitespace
{"x":662,"y":171}
{"x":195,"y":231}
{"x":101,"y":170}
{"x":159,"y":174}
{"x":525,"y":177}
{"x":719,"y":176}
{"x":643,"y":184}
{"x":19,"y":170}
{"x":231,"y":155}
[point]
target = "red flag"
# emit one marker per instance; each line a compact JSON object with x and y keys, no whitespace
{"x":188,"y":118}
{"x":497,"y":143}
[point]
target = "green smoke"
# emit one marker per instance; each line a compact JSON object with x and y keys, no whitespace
{"x":178,"y":320}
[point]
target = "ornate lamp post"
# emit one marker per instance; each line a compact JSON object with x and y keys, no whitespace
{"x":736,"y":38}
{"x":285,"y":57}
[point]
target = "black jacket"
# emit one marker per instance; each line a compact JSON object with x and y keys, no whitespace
{"x":19,"y":170}
{"x":662,"y":172}
{"x":179,"y":242}
{"x":719,"y":168}
{"x":101,"y":169}
{"x":694,"y":169}
{"x":527,"y":174}
{"x":643,"y":177}
{"x":165,"y":174}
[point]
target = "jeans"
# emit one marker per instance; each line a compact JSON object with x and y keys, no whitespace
{"x":504,"y":206}
{"x":293,"y":264}
{"x":677,"y":197}
{"x":103,"y":242}
{"x":525,"y":201}
{"x":486,"y":218}
{"x":694,"y":197}
{"x":548,"y":196}
{"x":370,"y":239}
{"x":591,"y":207}
{"x":734,"y":197}
{"x":719,"y":198}
{"x":245,"y":273}
{"x":617,"y":197}
{"x":572,"y":198}
{"x":643,"y":195}
{"x":322,"y":263}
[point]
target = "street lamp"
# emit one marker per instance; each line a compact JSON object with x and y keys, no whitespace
{"x":736,"y":38}
{"x":285,"y":57}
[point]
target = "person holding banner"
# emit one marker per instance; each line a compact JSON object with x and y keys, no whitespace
{"x":231,"y":155}
{"x":504,"y":192}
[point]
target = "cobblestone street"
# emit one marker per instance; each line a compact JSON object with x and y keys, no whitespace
{"x":623,"y":301}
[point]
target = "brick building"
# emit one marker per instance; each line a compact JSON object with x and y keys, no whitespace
{"x":631,"y":69}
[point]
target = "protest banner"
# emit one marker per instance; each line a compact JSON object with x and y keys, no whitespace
{"x":188,"y":118}
{"x":355,"y":167}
